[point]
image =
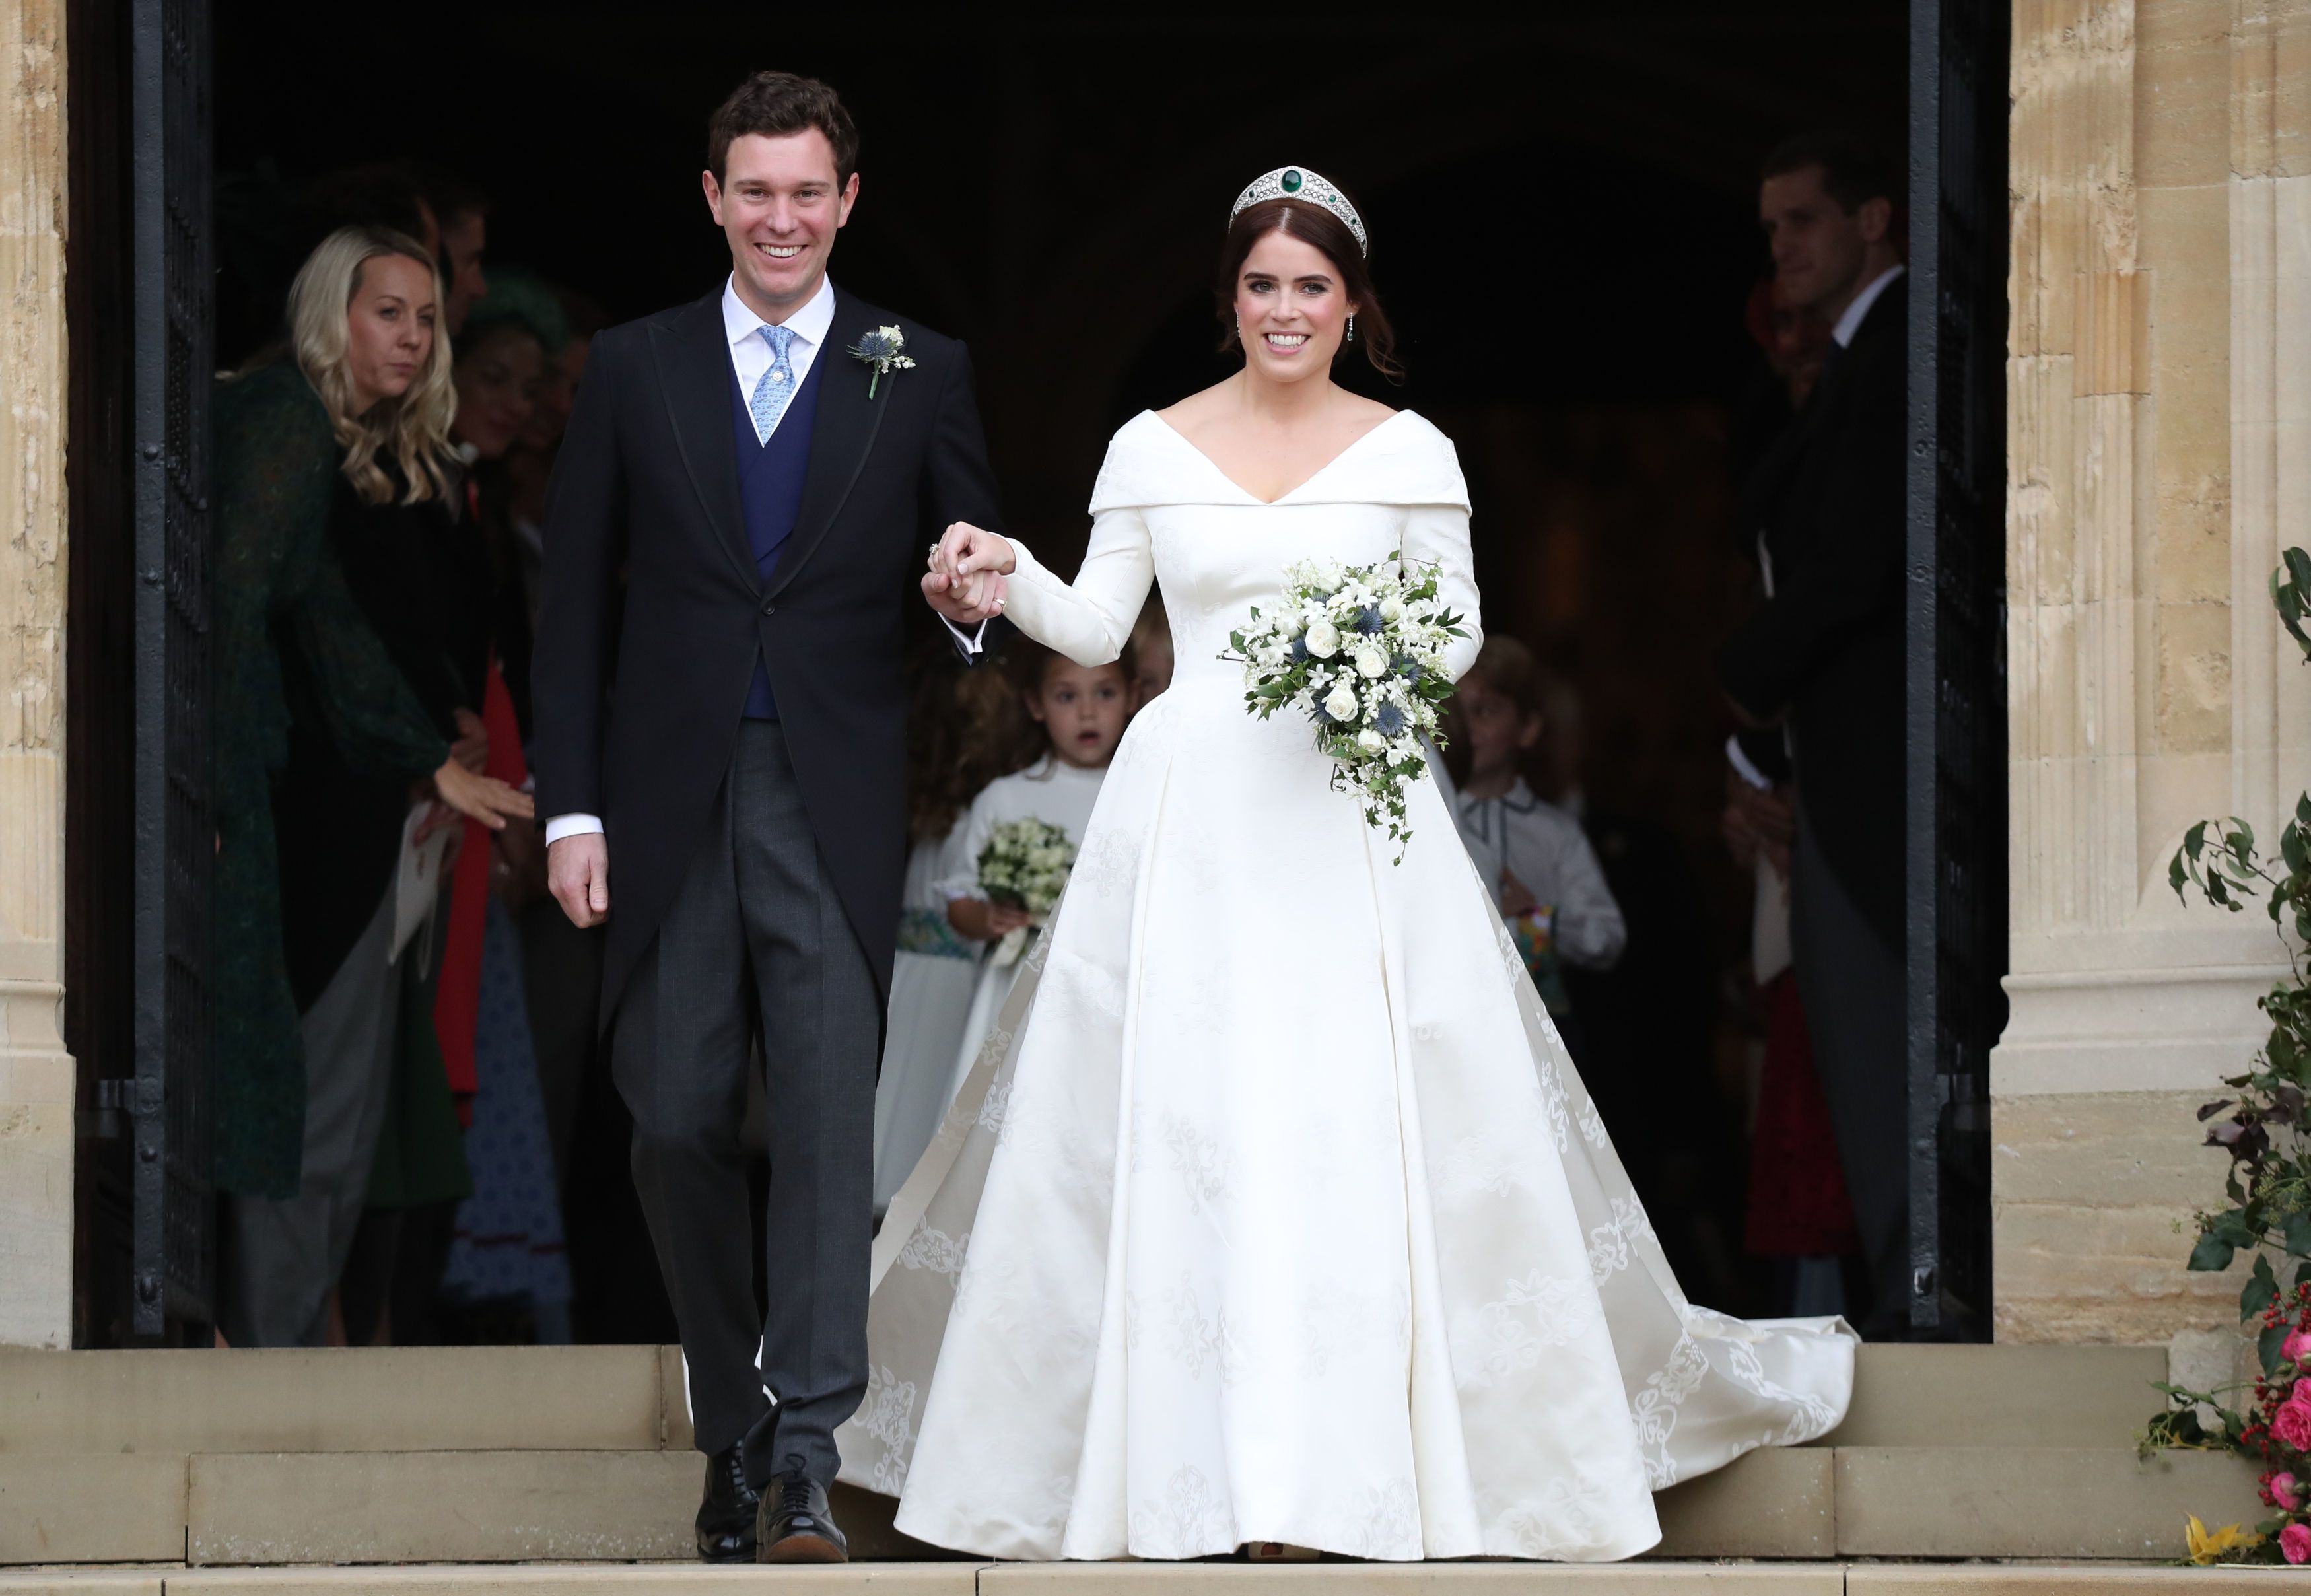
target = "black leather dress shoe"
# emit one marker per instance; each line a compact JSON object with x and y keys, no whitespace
{"x":796,"y":1526}
{"x":727,"y":1517}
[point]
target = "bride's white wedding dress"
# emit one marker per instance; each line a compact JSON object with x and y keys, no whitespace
{"x":1274,"y":1209}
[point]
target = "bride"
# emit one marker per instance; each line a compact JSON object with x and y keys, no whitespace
{"x":1274,"y":1210}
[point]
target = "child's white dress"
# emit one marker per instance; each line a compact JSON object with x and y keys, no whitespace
{"x":931,"y":984}
{"x":1053,"y":792}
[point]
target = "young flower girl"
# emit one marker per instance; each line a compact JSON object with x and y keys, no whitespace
{"x":964,"y":730}
{"x":1082,"y":710}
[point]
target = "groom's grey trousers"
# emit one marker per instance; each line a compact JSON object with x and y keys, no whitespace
{"x":756,"y":944}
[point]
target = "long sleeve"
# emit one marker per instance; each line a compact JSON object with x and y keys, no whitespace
{"x":1851,"y":573}
{"x":1090,"y":619}
{"x":279,"y":583}
{"x":373,"y":715}
{"x":958,"y":483}
{"x":959,"y":858}
{"x":1589,"y":928}
{"x":585,"y":544}
{"x":1438,"y":535}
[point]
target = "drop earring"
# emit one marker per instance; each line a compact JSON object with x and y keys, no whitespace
{"x":1352,"y":329}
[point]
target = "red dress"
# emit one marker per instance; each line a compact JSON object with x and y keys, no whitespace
{"x":1798,"y":1202}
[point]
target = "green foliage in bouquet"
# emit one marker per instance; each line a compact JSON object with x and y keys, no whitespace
{"x":1360,"y":651}
{"x":1024,"y":863}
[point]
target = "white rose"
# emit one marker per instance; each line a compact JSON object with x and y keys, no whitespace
{"x":1328,"y":575}
{"x":1341,"y":704}
{"x":1324,"y":640}
{"x":1371,"y":741}
{"x":1392,"y":609}
{"x":1370,"y":662}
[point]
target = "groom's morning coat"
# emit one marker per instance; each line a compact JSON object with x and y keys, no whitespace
{"x":653,"y":613}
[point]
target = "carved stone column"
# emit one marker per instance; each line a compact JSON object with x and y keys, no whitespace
{"x":2159,"y":457}
{"x":36,"y":1073}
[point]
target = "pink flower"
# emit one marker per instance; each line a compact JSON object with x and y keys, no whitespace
{"x":2291,"y":1424}
{"x":2295,"y":1542}
{"x":2285,"y":1493}
{"x":2296,"y":1347}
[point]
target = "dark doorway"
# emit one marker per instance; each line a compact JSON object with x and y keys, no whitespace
{"x":1562,"y":213}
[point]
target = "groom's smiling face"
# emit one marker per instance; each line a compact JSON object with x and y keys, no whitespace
{"x":780,"y":204}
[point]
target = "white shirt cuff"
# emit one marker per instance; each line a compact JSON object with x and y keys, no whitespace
{"x":971,"y":642}
{"x":570,"y":825}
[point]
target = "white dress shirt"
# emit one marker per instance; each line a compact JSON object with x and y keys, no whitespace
{"x":750,"y":357}
{"x":1848,"y":324}
{"x":750,"y":353}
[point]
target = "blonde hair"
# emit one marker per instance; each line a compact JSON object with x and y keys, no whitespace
{"x":414,"y":428}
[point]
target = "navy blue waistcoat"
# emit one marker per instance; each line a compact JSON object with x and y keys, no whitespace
{"x":769,"y":494}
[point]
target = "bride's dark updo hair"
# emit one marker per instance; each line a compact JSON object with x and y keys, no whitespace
{"x":1310,"y":224}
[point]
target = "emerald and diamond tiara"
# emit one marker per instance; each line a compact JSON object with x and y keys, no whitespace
{"x":1297,"y":182}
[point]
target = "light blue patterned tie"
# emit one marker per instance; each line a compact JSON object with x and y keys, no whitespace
{"x":777,"y":384}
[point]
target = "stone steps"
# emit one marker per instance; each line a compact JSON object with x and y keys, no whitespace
{"x":581,"y":1455}
{"x":1147,"y":1579}
{"x":583,"y":1399}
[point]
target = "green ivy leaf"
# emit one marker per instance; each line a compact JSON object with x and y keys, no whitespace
{"x":2268,"y":1345}
{"x":2299,"y":569}
{"x":2235,"y":1228}
{"x":2211,"y":1256}
{"x":2295,"y":1235}
{"x":2194,"y":839}
{"x":2261,"y":1290}
{"x":2241,"y":839}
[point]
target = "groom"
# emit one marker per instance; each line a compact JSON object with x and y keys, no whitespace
{"x":738,"y":515}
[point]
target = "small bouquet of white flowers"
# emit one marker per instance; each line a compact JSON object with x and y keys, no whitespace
{"x":1360,"y":651}
{"x":1024,"y":865}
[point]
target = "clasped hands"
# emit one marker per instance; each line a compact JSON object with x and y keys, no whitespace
{"x":965,"y":582}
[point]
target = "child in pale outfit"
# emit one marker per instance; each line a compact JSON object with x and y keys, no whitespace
{"x":1548,"y":884}
{"x":965,"y":729}
{"x":1081,"y":710}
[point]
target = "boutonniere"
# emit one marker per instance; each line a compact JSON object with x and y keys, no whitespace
{"x":885,"y":349}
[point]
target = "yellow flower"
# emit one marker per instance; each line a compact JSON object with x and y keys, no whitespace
{"x":2210,"y":1545}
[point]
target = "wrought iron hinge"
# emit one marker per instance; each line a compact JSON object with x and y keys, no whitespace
{"x":116,"y":1096}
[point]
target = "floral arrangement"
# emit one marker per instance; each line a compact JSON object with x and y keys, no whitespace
{"x":1360,"y":651}
{"x":2265,"y":1131}
{"x":1024,"y":863}
{"x":884,"y":351}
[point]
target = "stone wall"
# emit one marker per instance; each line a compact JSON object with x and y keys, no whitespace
{"x":2160,"y":455}
{"x":36,"y":1074}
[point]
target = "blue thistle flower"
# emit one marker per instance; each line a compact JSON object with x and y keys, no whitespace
{"x":1368,"y":620}
{"x":1408,"y":669}
{"x":878,"y":344}
{"x":1300,"y":648}
{"x":1388,"y":720}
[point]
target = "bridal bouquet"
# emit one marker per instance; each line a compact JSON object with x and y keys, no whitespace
{"x":1024,"y":865}
{"x":1360,"y":651}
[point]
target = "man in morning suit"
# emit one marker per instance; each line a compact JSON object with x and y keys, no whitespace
{"x":1822,"y":655}
{"x":736,"y":522}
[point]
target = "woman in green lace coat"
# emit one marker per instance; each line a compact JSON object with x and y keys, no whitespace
{"x":339,"y":403}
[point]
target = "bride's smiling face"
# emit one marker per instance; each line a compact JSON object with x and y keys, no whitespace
{"x":1291,"y":310}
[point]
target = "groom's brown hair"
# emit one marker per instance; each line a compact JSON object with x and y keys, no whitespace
{"x":775,"y":104}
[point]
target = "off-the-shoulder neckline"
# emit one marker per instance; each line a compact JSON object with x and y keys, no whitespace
{"x":1213,"y":466}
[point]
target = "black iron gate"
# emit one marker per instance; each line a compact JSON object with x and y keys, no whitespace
{"x":173,"y":1246}
{"x":1957,"y":651}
